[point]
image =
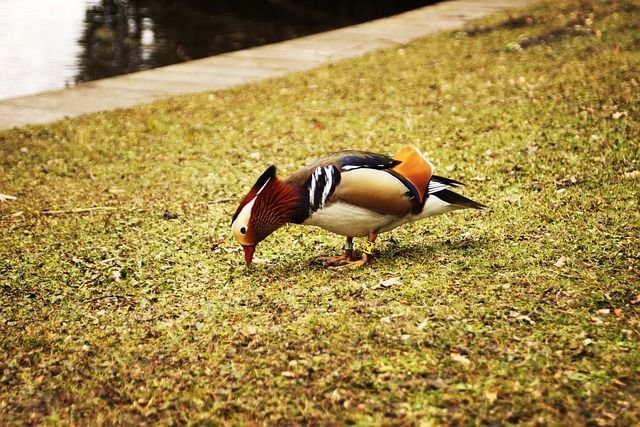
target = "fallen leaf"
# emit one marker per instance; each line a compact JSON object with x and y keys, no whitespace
{"x":576,"y":376}
{"x":618,"y":382}
{"x":632,"y":174}
{"x":385,"y":284}
{"x":491,"y":396}
{"x":6,"y":198}
{"x":461,"y":359}
{"x":336,"y":396}
{"x":514,"y":199}
{"x":617,"y":312}
{"x":524,"y":318}
{"x":288,"y":374}
{"x":604,"y":311}
{"x":362,"y":288}
{"x":423,"y":324}
{"x":596,"y":320}
{"x":437,"y":384}
{"x":393,"y":316}
{"x":560,"y":262}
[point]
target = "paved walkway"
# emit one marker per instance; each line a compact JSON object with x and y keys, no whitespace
{"x":235,"y":68}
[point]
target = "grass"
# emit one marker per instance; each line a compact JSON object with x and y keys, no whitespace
{"x":522,"y":314}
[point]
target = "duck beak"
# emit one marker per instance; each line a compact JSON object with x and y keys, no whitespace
{"x":248,"y":253}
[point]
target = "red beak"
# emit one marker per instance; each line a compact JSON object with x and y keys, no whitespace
{"x":248,"y":253}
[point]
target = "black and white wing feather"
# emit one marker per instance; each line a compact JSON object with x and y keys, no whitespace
{"x":439,"y":187}
{"x":322,"y":184}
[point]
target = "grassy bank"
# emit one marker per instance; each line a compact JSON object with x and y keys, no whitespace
{"x":124,"y":299}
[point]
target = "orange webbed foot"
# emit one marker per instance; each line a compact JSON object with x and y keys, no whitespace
{"x":348,"y":259}
{"x":356,"y":263}
{"x":338,"y":261}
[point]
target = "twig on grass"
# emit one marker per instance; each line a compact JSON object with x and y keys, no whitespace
{"x":122,"y":297}
{"x":78,"y":210}
{"x":213,"y":202}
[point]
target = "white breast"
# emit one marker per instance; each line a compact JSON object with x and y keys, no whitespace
{"x":349,"y":220}
{"x":353,"y":221}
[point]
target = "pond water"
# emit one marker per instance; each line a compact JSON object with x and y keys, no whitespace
{"x":52,"y":44}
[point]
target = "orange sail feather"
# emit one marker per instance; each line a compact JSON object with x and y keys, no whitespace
{"x":415,"y":168}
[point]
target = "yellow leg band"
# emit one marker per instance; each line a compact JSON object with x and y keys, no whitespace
{"x":369,"y":247}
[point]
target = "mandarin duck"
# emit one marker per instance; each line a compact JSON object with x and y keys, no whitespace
{"x":351,"y":193}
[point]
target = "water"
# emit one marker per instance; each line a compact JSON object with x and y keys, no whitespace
{"x":39,"y":44}
{"x":52,"y":44}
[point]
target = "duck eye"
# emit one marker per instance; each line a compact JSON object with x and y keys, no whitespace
{"x":243,"y":230}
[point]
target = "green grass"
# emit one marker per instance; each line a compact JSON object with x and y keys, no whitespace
{"x":524,"y":313}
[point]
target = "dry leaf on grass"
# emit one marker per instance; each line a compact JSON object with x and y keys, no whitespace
{"x":618,"y":382}
{"x":385,"y":284}
{"x":388,"y":319}
{"x":461,"y":358}
{"x":361,"y":289}
{"x":437,"y":384}
{"x":491,"y":396}
{"x":423,"y":324}
{"x":560,"y":262}
{"x":524,"y":318}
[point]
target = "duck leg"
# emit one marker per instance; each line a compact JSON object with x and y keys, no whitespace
{"x":340,"y":260}
{"x":367,"y":253}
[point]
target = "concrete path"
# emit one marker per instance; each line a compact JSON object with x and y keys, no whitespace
{"x":235,"y":68}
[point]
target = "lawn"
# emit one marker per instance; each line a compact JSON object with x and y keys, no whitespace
{"x":125,"y":299}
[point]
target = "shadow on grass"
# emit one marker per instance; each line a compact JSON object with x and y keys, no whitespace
{"x":392,"y":254}
{"x":418,"y":249}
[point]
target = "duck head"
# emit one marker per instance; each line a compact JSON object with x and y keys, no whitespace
{"x":270,"y":204}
